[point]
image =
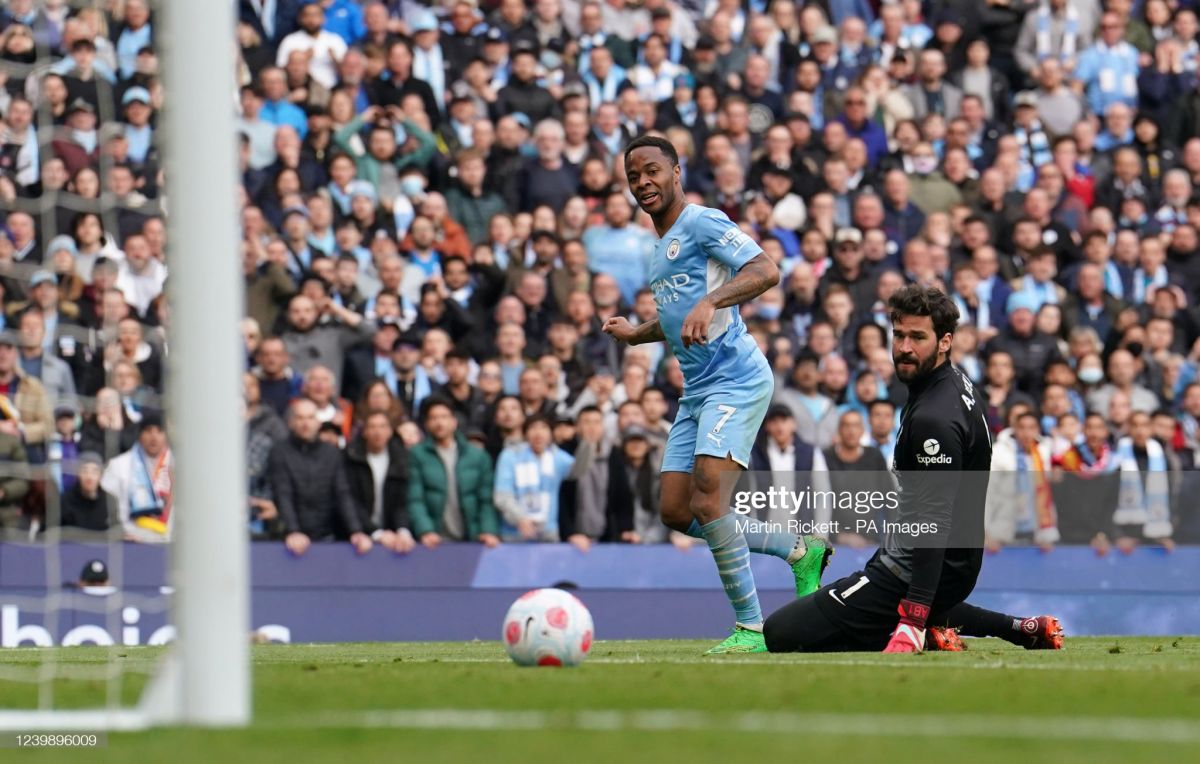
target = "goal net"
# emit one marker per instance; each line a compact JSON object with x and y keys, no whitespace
{"x":123,"y":559}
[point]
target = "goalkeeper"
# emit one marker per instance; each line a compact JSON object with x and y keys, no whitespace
{"x":933,"y":550}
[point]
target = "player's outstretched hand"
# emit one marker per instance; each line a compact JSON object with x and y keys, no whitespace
{"x":695,"y":324}
{"x":619,"y":327}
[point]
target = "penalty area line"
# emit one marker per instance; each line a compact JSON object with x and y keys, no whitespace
{"x":1123,"y":729}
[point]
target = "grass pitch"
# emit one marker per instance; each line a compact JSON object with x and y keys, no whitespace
{"x":1101,"y":699}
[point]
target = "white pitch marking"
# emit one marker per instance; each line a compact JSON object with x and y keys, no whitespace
{"x":1113,"y":729}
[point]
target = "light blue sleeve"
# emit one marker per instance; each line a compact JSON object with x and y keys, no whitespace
{"x":506,"y":472}
{"x":1085,"y":67}
{"x":720,"y":239}
{"x":565,"y":463}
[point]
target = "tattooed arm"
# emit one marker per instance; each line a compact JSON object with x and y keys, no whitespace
{"x":755,"y":277}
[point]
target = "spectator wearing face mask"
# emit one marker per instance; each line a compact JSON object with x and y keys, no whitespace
{"x":1122,"y":373}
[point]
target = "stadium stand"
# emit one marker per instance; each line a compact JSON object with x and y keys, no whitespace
{"x":434,"y":211}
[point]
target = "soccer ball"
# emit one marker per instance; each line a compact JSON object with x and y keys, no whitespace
{"x":547,"y":627}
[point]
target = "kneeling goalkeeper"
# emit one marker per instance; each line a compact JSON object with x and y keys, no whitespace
{"x":933,"y":548}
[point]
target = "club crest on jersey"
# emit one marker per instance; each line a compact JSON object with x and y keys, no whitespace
{"x":673,"y":249}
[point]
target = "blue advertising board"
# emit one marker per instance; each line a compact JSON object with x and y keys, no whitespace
{"x":461,"y":592}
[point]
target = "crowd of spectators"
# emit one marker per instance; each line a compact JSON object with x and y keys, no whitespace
{"x":435,"y":223}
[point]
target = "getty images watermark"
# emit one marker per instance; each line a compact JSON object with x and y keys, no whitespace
{"x":811,"y":511}
{"x":864,"y":503}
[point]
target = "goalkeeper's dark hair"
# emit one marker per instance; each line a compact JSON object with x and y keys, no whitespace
{"x":653,"y":141}
{"x":916,"y":300}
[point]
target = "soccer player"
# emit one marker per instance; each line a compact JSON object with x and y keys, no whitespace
{"x":922,"y":574}
{"x":702,"y":268}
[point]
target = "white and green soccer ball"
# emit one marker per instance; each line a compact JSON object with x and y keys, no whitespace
{"x":547,"y":627}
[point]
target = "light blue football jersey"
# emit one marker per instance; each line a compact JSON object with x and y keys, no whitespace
{"x":701,"y":252}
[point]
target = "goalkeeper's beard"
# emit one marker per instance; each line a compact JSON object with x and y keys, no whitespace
{"x":922,"y":370}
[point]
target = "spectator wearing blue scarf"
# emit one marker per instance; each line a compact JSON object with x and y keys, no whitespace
{"x":528,"y":478}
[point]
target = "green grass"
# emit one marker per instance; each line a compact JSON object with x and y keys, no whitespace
{"x":1101,"y":699}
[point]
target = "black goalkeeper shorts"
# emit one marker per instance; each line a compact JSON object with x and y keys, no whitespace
{"x":855,"y":613}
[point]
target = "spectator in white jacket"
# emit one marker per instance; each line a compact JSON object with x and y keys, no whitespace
{"x":141,"y":481}
{"x":1020,"y":503}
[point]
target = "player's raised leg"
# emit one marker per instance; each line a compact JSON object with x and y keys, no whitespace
{"x":792,"y":548}
{"x":727,"y":425}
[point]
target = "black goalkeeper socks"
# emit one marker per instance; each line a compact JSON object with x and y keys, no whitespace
{"x":972,"y":621}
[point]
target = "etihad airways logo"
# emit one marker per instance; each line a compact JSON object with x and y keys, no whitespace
{"x":933,"y":454}
{"x":666,"y":289}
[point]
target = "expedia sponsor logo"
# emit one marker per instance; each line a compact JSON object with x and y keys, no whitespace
{"x":933,"y":453}
{"x":939,"y":459}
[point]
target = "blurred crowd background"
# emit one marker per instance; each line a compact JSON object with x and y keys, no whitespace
{"x":435,"y":223}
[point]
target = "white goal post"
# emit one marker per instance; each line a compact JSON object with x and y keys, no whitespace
{"x":205,"y":677}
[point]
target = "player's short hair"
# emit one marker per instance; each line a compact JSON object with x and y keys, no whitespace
{"x":916,"y":300}
{"x":653,"y":141}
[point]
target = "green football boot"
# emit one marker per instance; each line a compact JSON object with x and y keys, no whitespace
{"x":742,"y":640}
{"x":808,"y":569}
